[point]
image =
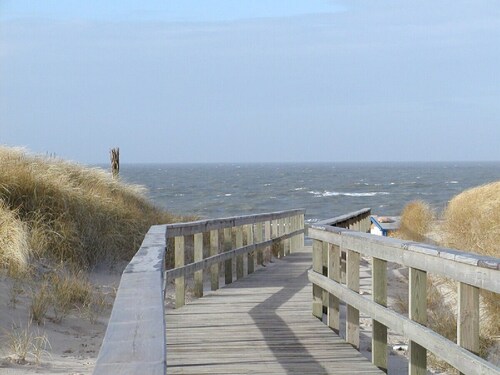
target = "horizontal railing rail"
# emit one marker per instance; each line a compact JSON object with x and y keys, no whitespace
{"x":472,"y":273}
{"x":135,"y":342}
{"x":358,"y":220}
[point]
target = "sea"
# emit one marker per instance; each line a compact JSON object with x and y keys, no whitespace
{"x":324,"y":190}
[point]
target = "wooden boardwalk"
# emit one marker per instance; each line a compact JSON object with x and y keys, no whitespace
{"x":261,"y":324}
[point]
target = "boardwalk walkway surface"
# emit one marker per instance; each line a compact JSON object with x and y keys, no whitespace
{"x":261,"y":324}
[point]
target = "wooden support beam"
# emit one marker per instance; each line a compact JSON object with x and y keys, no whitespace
{"x":259,"y":227}
{"x":281,"y":230}
{"x":214,"y":268}
{"x":250,"y":241}
{"x":379,"y":335}
{"x":228,"y":264}
{"x":239,"y":258}
{"x":180,"y":284}
{"x":468,"y":317}
{"x":267,"y":236}
{"x":334,"y":274}
{"x":352,"y":316}
{"x":317,"y":305}
{"x":198,"y":255}
{"x":418,"y":313}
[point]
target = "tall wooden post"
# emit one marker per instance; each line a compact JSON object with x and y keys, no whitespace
{"x":198,"y":256}
{"x":317,"y":305}
{"x":239,"y":258}
{"x":114,"y":154}
{"x":259,"y":227}
{"x":180,"y":281}
{"x":228,"y":264}
{"x":468,"y":317}
{"x":379,"y":336}
{"x":418,"y":313}
{"x":352,"y":315}
{"x":214,"y":250}
{"x":334,"y":274}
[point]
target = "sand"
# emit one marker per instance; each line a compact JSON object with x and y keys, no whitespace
{"x":74,"y":342}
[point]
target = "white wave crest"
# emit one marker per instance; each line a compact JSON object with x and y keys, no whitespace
{"x":318,"y":194}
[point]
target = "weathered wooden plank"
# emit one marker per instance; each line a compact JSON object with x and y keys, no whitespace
{"x":259,"y":236}
{"x":281,"y":231}
{"x":468,"y":317}
{"x":317,"y":254}
{"x":135,"y":335}
{"x":458,"y":357}
{"x":198,"y":256}
{"x":180,"y":283}
{"x":343,"y":219}
{"x":379,"y":332}
{"x":352,"y":315}
{"x":267,"y":237}
{"x":214,"y":268}
{"x":228,"y":265}
{"x":334,"y":274}
{"x":418,"y":313}
{"x":249,"y":241}
{"x":239,"y":257}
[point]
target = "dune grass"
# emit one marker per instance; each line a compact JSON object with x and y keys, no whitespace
{"x":50,"y":208}
{"x":416,"y":220}
{"x":472,"y":223}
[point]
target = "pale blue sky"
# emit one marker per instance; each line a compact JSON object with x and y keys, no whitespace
{"x":243,"y":81}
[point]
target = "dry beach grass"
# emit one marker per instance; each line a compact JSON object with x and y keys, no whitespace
{"x":58,"y":222}
{"x":470,"y":222}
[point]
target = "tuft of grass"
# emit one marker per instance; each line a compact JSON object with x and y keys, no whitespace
{"x":50,"y":208}
{"x":69,"y":291}
{"x":24,"y":342}
{"x":472,"y":223}
{"x":41,"y":300}
{"x":416,"y":220}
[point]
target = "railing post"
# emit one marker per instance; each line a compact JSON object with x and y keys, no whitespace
{"x":301,"y":226}
{"x":258,"y":237}
{"x":379,"y":336}
{"x":228,"y":264}
{"x":324,"y":272}
{"x":180,"y":285}
{"x":198,"y":255}
{"x":352,"y":275}
{"x":317,"y":305}
{"x":294,"y":227}
{"x":214,"y":250}
{"x":251,"y":258}
{"x":267,"y":237}
{"x":286,"y":229}
{"x":281,"y":231}
{"x":334,"y":274}
{"x":239,"y":258}
{"x":418,"y":313}
{"x":274,"y":234}
{"x":468,"y":317}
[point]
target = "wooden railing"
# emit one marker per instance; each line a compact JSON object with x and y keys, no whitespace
{"x":472,"y":273}
{"x":134,"y":342}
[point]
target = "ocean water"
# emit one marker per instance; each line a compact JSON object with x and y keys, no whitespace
{"x":325,"y":190}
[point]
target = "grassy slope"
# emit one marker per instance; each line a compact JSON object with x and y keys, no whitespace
{"x":68,"y":213}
